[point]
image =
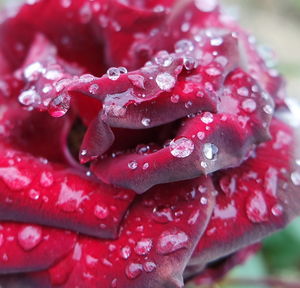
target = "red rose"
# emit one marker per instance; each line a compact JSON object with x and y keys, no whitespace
{"x":186,"y":156}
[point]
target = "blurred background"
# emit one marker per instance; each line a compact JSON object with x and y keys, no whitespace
{"x":276,"y":24}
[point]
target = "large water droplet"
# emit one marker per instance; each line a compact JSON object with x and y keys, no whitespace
{"x":146,"y":122}
{"x":132,"y":165}
{"x":210,"y":151}
{"x":59,"y":106}
{"x":113,"y":73}
{"x":101,"y":211}
{"x":133,"y":270}
{"x":13,"y":178}
{"x":29,"y":237}
{"x":277,"y":210}
{"x":181,"y":147}
{"x":137,"y":80}
{"x":172,"y":240}
{"x":165,"y":81}
{"x":69,"y":199}
{"x":143,"y":246}
{"x":257,"y":208}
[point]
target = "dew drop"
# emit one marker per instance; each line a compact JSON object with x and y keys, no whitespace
{"x":256,"y":208}
{"x":101,"y":211}
{"x":113,"y":73}
{"x":212,"y":71}
{"x":268,"y":109}
{"x":217,"y":41}
{"x":132,"y":165}
{"x":122,"y":70}
{"x":249,"y":105}
{"x":59,"y":106}
{"x":165,"y":81}
{"x":295,"y":177}
{"x":206,"y":5}
{"x":277,"y":210}
{"x":172,"y":240}
{"x":143,"y":246}
{"x":243,"y":91}
{"x":189,"y":63}
{"x":46,"y":179}
{"x":93,"y":89}
{"x":181,"y":147}
{"x":29,"y":97}
{"x":207,"y":118}
{"x":175,"y":99}
{"x":29,"y":237}
{"x":146,"y":122}
{"x":210,"y":151}
{"x":203,"y":200}
{"x":184,"y":46}
{"x":125,"y":252}
{"x":149,"y":266}
{"x":13,"y":178}
{"x":133,"y":270}
{"x":137,"y":80}
{"x":162,"y":215}
{"x":32,"y":71}
{"x":201,"y":135}
{"x":164,"y":59}
{"x":33,"y":194}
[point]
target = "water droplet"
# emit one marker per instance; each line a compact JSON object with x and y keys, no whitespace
{"x":29,"y":237}
{"x":143,"y":246}
{"x":114,"y":283}
{"x":165,"y":81}
{"x":132,"y":165}
{"x":32,"y":71}
{"x":137,"y":80}
{"x":149,"y":266}
{"x":206,"y":5}
{"x":175,"y":99}
{"x":66,"y":3}
{"x":93,"y":89}
{"x":113,"y":73}
{"x":46,"y":179}
{"x":184,"y":46}
{"x":217,"y":41}
{"x":212,"y":71}
{"x":133,"y":270}
{"x":222,"y":60}
{"x":201,"y":135}
{"x":146,"y":166}
{"x":277,"y":210}
{"x":243,"y":91}
{"x":69,"y":199}
{"x":203,"y":200}
{"x":295,"y":177}
{"x":163,"y":58}
{"x":207,"y":118}
{"x":29,"y":97}
{"x":181,"y":147}
{"x":33,"y":194}
{"x":210,"y":151}
{"x":268,"y":109}
{"x":146,"y":122}
{"x":189,"y":63}
{"x":249,"y":105}
{"x":257,"y":208}
{"x":162,"y":214}
{"x":122,"y":70}
{"x":53,"y":75}
{"x":13,"y":178}
{"x":125,"y":252}
{"x":101,"y":211}
{"x":172,"y":240}
{"x":85,"y":13}
{"x":59,"y":106}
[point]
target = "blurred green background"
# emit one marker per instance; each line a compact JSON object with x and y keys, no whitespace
{"x":275,"y":23}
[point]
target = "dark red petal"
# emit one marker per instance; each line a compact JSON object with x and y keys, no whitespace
{"x":254,"y":199}
{"x":217,"y":270}
{"x":57,"y":196}
{"x":97,"y":140}
{"x":26,"y":248}
{"x":155,"y":243}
